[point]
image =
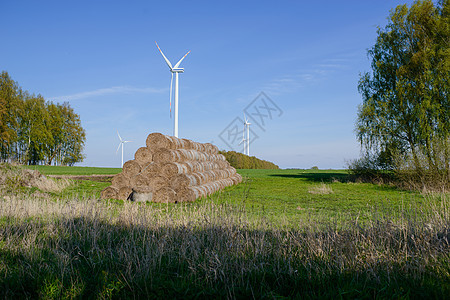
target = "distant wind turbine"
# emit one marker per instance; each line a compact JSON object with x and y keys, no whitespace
{"x":246,"y":138}
{"x":247,"y":124}
{"x":175,"y":69}
{"x":121,"y":144}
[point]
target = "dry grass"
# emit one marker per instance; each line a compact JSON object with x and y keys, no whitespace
{"x":93,"y":249}
{"x":12,"y":178}
{"x":322,"y":189}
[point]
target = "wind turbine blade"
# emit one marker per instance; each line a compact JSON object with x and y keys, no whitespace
{"x":179,"y":62}
{"x":127,"y":141}
{"x":165,"y":58}
{"x":118,"y":147}
{"x":170,"y":99}
{"x":119,"y":135}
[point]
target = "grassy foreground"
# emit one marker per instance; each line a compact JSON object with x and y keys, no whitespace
{"x":62,"y":170}
{"x":282,"y":233}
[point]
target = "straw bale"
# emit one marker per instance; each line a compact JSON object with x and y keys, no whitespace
{"x":158,"y":140}
{"x":195,"y":146}
{"x":198,"y":178}
{"x":110,"y":193}
{"x":222,"y":164}
{"x":143,"y":156}
{"x":151,"y":170}
{"x":191,"y":166}
{"x":200,"y":191}
{"x":187,"y":144}
{"x":171,"y":169}
{"x":210,"y":148}
{"x":165,"y":195}
{"x":158,"y":182}
{"x":237,"y":178}
{"x":139,"y":180}
{"x":120,"y":180}
{"x":181,"y":181}
{"x":124,"y":193}
{"x":131,"y":168}
{"x":221,"y":157}
{"x":188,"y":195}
{"x":166,"y":155}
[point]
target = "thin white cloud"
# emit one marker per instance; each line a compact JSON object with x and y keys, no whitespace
{"x":315,"y":73}
{"x":108,"y":91}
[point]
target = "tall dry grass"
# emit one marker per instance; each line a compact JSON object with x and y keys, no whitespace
{"x":93,"y":249}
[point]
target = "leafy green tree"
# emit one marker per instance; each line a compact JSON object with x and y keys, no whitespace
{"x":34,"y":134}
{"x":74,"y":136}
{"x":10,"y":96}
{"x":33,"y":131}
{"x":405,"y":109}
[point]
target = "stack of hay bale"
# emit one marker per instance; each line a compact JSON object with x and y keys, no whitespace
{"x":171,"y":169}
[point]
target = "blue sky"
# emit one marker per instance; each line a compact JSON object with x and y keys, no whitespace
{"x":100,"y":56}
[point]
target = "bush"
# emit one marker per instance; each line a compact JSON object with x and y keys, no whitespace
{"x":242,"y":161}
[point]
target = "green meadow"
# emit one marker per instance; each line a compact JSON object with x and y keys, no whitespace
{"x":279,"y":234}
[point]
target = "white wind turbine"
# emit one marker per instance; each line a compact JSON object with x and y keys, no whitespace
{"x":121,"y":144}
{"x":175,"y":69}
{"x":246,"y":139}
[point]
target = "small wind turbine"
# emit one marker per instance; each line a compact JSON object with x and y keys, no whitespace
{"x":175,"y":69}
{"x":247,"y":124}
{"x":246,"y":139}
{"x":121,"y":144}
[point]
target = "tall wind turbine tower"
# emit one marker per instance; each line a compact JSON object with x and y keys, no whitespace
{"x":175,"y":69}
{"x":246,"y":139}
{"x":121,"y":144}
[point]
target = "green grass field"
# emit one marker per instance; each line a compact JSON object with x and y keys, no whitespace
{"x":59,"y":170}
{"x":295,"y":195}
{"x":280,"y":234}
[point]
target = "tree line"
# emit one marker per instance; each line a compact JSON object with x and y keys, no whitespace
{"x":35,"y":131}
{"x":403,"y":123}
{"x":242,"y":161}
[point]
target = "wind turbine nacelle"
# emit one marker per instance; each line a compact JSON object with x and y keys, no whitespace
{"x":177,"y":70}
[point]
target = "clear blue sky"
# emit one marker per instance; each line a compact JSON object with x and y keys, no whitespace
{"x":101,"y":57}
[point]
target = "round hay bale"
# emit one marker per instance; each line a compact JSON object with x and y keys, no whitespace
{"x":191,"y":166}
{"x":165,"y":195}
{"x":185,"y":154}
{"x":158,"y":182}
{"x":120,"y":180}
{"x":151,"y":170}
{"x":215,"y":149}
{"x":142,"y":194}
{"x":195,"y":146}
{"x":158,"y":140}
{"x":124,"y":193}
{"x":143,"y":156}
{"x":198,"y":178}
{"x":166,"y":155}
{"x":187,"y":195}
{"x":139,"y":180}
{"x":200,"y":191}
{"x":110,"y":193}
{"x":222,"y":164}
{"x":237,"y":178}
{"x":171,"y":169}
{"x":187,"y":144}
{"x":210,"y":148}
{"x":220,"y":157}
{"x":182,"y":181}
{"x":131,"y":168}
